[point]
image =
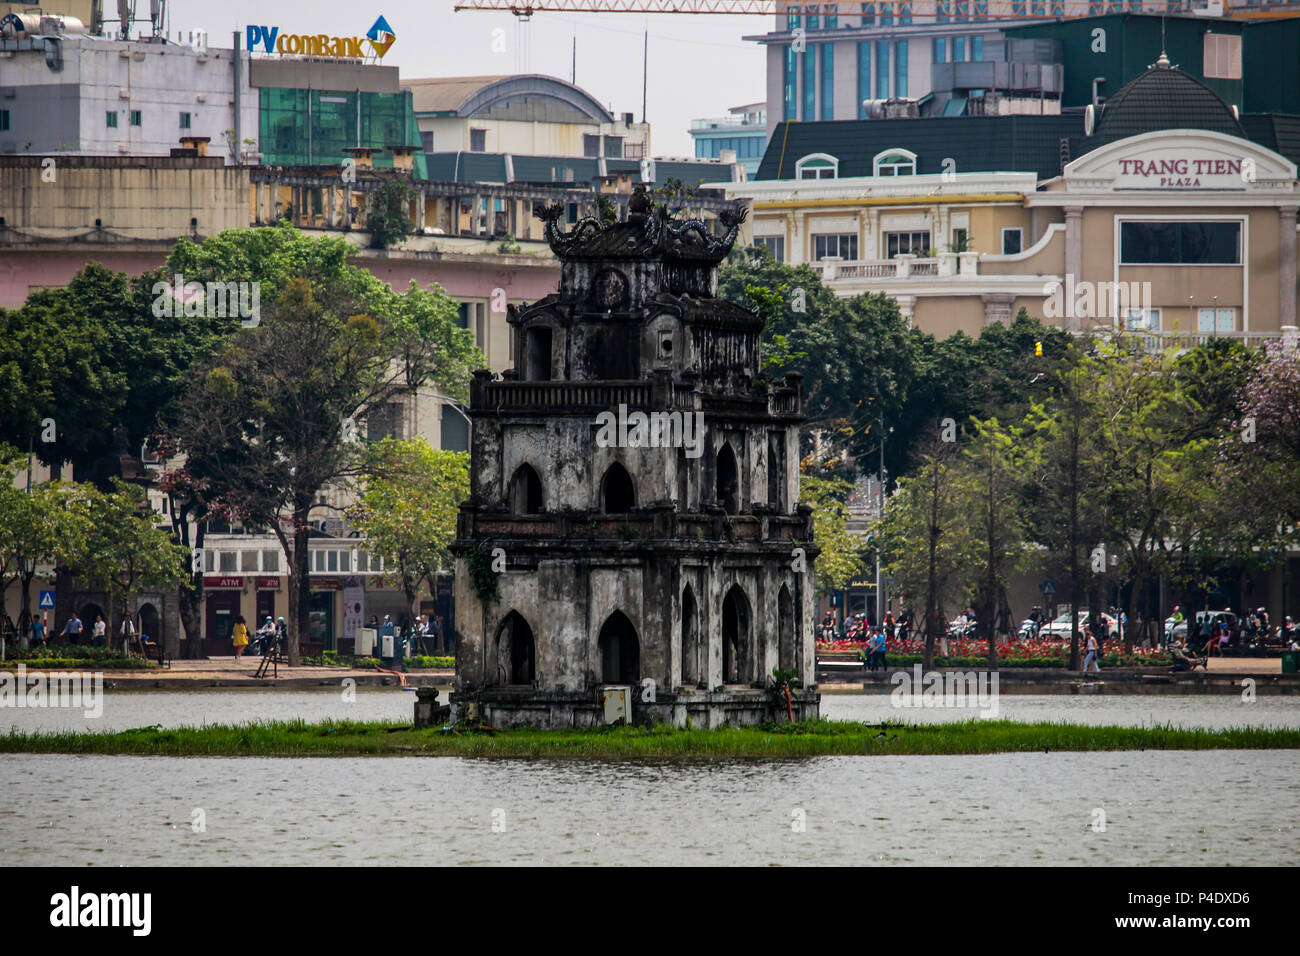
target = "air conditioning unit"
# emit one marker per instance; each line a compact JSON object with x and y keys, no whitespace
{"x":617,"y":703}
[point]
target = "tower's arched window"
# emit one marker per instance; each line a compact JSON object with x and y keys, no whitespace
{"x":525,"y":491}
{"x":894,"y":162}
{"x":617,"y":493}
{"x":728,"y":484}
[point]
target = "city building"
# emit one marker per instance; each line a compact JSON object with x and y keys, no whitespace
{"x":592,"y":511}
{"x":949,"y":57}
{"x":1156,"y":212}
{"x":741,"y":136}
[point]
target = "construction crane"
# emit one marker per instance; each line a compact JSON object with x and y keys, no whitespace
{"x":968,"y":10}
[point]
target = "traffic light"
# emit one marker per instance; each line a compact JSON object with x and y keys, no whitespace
{"x":1038,"y":349}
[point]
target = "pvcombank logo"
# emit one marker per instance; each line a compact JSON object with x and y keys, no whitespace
{"x":380,"y":36}
{"x":76,"y":909}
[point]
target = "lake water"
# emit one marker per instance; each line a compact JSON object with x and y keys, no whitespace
{"x":126,"y":709}
{"x":1160,"y":808}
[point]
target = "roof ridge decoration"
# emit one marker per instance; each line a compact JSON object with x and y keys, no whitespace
{"x":658,"y":233}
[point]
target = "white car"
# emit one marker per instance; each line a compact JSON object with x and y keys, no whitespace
{"x":1059,"y":629}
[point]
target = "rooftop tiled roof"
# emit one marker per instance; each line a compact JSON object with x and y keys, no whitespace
{"x":1163,"y":97}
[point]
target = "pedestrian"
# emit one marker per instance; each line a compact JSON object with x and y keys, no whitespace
{"x":99,"y":636}
{"x":38,"y":631}
{"x":889,"y":625}
{"x":72,"y":629}
{"x":239,"y":634}
{"x":128,"y":634}
{"x":266,"y":635}
{"x":1091,"y":659}
{"x":880,"y":649}
{"x":436,"y":636}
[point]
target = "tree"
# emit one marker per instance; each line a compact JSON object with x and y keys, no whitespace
{"x":408,"y":506}
{"x":40,"y":527}
{"x":840,"y":560}
{"x":991,"y":483}
{"x":925,"y":537}
{"x":275,"y":417}
{"x":387,"y":220}
{"x":123,"y":550}
{"x":1066,"y":492}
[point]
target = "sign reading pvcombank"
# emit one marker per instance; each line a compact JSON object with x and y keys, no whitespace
{"x":379,"y":38}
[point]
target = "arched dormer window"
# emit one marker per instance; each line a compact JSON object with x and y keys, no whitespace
{"x":617,"y":493}
{"x":894,"y":162}
{"x":817,"y":166}
{"x":525,"y":491}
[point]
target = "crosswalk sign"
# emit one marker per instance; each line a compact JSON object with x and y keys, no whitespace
{"x":47,"y":601}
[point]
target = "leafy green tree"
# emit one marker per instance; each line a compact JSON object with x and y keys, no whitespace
{"x":38,"y":528}
{"x":411,"y":495}
{"x":123,"y":550}
{"x":841,"y":559}
{"x":386,"y":219}
{"x":926,"y":539}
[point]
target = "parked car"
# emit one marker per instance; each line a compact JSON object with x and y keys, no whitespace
{"x":1059,"y":629}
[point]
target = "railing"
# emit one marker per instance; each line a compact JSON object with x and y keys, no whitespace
{"x":1159,"y":341}
{"x":565,"y":394}
{"x":902,"y":266}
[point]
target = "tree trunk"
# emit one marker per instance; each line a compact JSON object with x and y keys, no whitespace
{"x":299,"y":584}
{"x":25,"y":613}
{"x":190,"y":599}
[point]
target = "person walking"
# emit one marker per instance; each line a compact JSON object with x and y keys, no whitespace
{"x":127,"y":634}
{"x":1090,"y":660}
{"x":38,"y":631}
{"x":880,"y":648}
{"x":239,"y":634}
{"x":72,"y":629}
{"x":99,"y":636}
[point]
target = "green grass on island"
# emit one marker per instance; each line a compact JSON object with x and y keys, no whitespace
{"x":808,"y":739}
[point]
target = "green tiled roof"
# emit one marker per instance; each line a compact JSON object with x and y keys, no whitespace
{"x":1279,"y":132}
{"x":976,"y":144}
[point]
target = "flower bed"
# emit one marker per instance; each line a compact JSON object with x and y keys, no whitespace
{"x":968,"y":652}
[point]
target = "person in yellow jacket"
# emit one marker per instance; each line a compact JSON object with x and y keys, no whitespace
{"x":240,"y":635}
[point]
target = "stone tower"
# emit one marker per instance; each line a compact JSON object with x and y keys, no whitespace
{"x":634,"y":495}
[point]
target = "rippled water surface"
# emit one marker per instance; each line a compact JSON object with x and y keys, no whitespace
{"x":993,"y":809}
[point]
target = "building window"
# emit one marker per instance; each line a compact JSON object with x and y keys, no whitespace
{"x":4,"y":120}
{"x":792,"y":18}
{"x":900,"y":68}
{"x":790,"y":80}
{"x":614,"y":147}
{"x":810,"y":84}
{"x":864,"y":77}
{"x":590,"y":146}
{"x":960,"y":240}
{"x":942,"y":11}
{"x":775,"y":245}
{"x":811,"y":21}
{"x":958,"y":49}
{"x":963,"y":10}
{"x":426,"y":141}
{"x":894,"y":162}
{"x":828,"y":81}
{"x":110,"y":119}
{"x":845,"y":246}
{"x":832,"y":20}
{"x":817,"y":166}
{"x":185,"y":120}
{"x":136,"y":119}
{"x":1142,"y":320}
{"x":940,"y":53}
{"x":1012,"y":240}
{"x":882,"y":70}
{"x":868,"y":14}
{"x":911,"y":243}
{"x":981,"y":10}
{"x":976,"y":49}
{"x":1216,"y":320}
{"x":1180,"y":243}
{"x":886,"y":15}
{"x":478,"y":140}
{"x":1222,"y":56}
{"x":905,"y":12}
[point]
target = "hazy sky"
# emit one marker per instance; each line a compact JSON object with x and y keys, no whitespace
{"x":699,"y":66}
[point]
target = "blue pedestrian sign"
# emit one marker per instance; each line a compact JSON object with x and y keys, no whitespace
{"x":47,"y":601}
{"x":1048,"y":587}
